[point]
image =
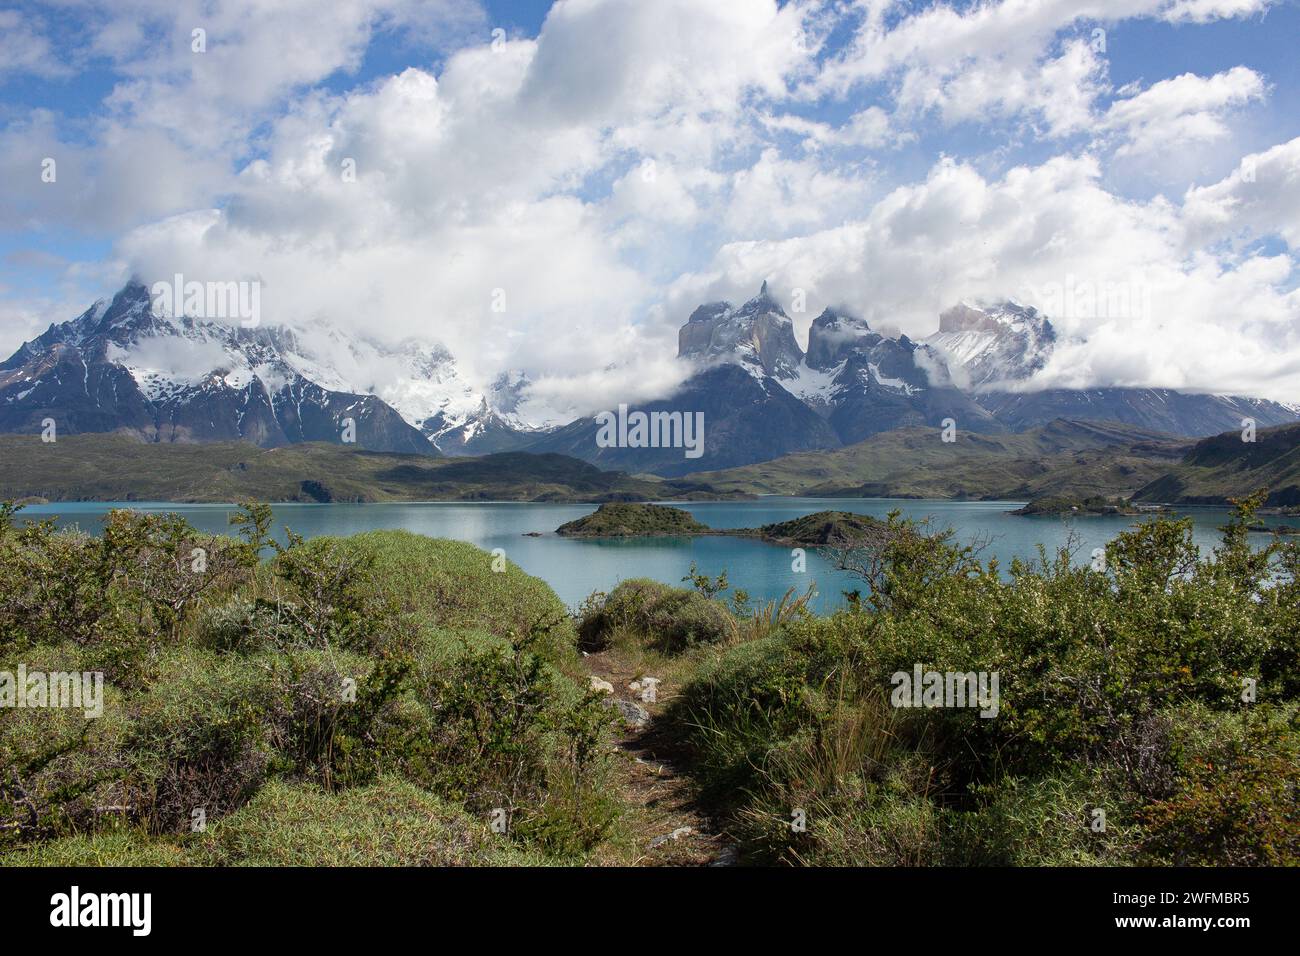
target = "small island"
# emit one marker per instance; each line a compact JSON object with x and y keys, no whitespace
{"x":627,"y":520}
{"x":1095,"y":505}
{"x":822,"y":529}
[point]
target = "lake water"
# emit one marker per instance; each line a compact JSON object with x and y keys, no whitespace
{"x":575,"y":568}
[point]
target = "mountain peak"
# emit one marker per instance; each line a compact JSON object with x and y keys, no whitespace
{"x":834,"y":334}
{"x":763,"y":303}
{"x":759,"y":335}
{"x":993,"y":344}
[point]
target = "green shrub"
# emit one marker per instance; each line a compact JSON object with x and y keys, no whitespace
{"x":1045,"y":821}
{"x":1106,"y":679}
{"x":509,"y":732}
{"x":337,"y":718}
{"x":1236,"y":801}
{"x":200,"y":739}
{"x":61,"y":771}
{"x":666,"y":618}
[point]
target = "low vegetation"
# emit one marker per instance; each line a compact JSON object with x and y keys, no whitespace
{"x":1147,"y":713}
{"x":389,"y":699}
{"x":383,"y":698}
{"x":822,"y":529}
{"x":648,"y":521}
{"x":1064,"y":505}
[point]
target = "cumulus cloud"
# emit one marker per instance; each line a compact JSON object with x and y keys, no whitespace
{"x":1134,"y":307}
{"x":1261,"y":197}
{"x":24,"y":48}
{"x":1186,"y":110}
{"x":559,"y":203}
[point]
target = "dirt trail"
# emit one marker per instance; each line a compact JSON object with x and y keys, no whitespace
{"x":657,"y":791}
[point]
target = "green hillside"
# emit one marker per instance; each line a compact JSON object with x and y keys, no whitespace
{"x":1224,"y":466}
{"x":117,"y":468}
{"x":1060,"y":458}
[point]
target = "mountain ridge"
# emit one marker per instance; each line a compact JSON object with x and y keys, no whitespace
{"x":121,"y":366}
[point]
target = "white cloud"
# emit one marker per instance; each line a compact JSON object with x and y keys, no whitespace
{"x":24,"y":49}
{"x":585,"y":171}
{"x":1185,"y":110}
{"x":1204,"y":11}
{"x":1151,"y":313}
{"x":1258,"y":199}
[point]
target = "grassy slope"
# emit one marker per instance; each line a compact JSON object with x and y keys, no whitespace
{"x":435,"y":601}
{"x":1224,"y":466}
{"x":115,"y":468}
{"x":1082,"y":458}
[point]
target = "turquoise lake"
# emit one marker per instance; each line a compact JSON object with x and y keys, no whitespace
{"x":575,"y":568}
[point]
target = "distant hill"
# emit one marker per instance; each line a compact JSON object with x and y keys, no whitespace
{"x":1223,"y":467}
{"x":119,"y":468}
{"x":1063,"y":457}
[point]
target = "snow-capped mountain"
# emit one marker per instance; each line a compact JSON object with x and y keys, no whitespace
{"x":763,"y":397}
{"x":424,"y":384}
{"x":877,"y":383}
{"x":859,"y":381}
{"x":123,"y":366}
{"x":995,"y":350}
{"x":992,"y":346}
{"x":758,"y":335}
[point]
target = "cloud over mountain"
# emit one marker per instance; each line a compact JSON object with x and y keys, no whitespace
{"x":557,"y":198}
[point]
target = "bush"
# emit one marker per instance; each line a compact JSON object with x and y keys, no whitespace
{"x":1237,"y":799}
{"x":340,"y":666}
{"x":1117,"y":691}
{"x":61,"y":772}
{"x":200,"y":740}
{"x":509,"y":732}
{"x":666,"y":618}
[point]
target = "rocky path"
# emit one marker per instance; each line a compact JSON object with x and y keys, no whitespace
{"x":668,"y":826}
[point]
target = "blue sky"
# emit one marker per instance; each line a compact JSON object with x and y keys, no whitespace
{"x":610,"y":163}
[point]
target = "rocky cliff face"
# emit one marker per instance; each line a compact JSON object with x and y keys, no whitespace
{"x":993,"y":346}
{"x":758,"y":334}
